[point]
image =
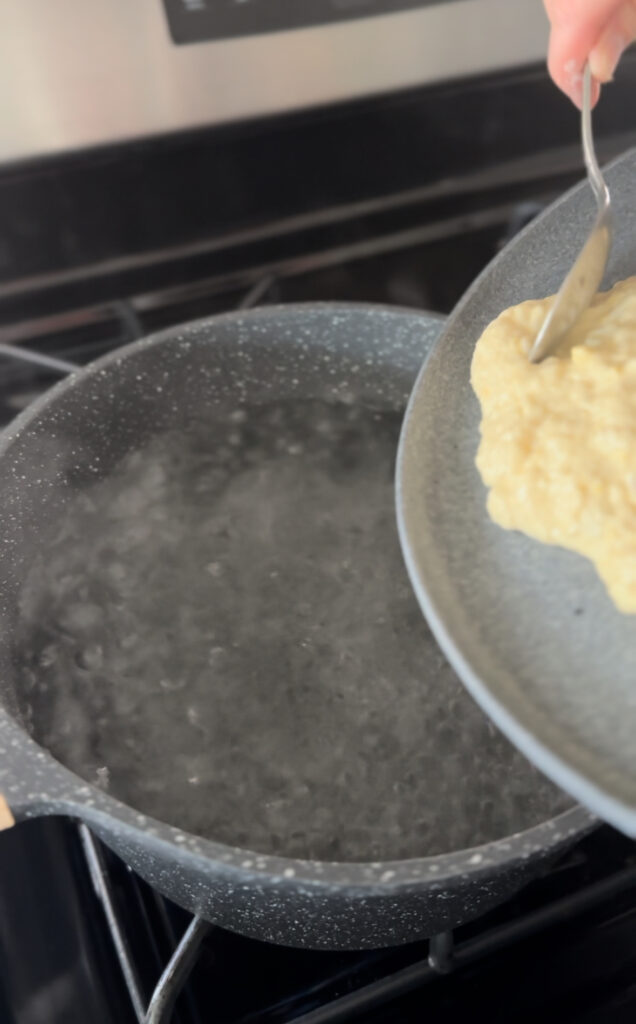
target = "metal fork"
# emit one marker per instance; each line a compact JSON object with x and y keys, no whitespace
{"x":583,"y":280}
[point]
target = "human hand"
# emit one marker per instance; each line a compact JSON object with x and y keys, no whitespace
{"x":598,"y":30}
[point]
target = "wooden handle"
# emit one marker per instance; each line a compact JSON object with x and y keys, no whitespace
{"x":6,"y":817}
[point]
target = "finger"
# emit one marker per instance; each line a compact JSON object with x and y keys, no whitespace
{"x":592,"y":16}
{"x":576,"y":28}
{"x":614,"y":39}
{"x":566,"y":59}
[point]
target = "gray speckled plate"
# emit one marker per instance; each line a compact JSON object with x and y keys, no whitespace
{"x":529,"y":628}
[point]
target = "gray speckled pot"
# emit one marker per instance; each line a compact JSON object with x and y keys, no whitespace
{"x":76,"y":433}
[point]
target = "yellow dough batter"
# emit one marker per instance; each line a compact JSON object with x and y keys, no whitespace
{"x":558,"y":439}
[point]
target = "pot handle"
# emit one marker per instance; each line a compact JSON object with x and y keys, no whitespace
{"x":62,"y":367}
{"x":6,"y":817}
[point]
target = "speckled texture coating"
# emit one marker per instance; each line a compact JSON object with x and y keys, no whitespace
{"x":83,"y":427}
{"x":530,"y":629}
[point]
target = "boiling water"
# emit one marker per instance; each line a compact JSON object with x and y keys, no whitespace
{"x":223,"y":634}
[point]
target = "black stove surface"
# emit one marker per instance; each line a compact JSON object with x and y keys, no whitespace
{"x":87,"y":266}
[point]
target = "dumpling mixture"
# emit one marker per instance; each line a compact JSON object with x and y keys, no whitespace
{"x":558,"y":439}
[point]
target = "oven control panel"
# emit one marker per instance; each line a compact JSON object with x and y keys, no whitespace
{"x":195,"y":21}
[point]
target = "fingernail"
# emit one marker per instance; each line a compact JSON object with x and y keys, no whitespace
{"x":574,"y":80}
{"x":606,"y":55}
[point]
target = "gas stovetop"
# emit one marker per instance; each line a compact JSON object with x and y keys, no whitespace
{"x":88,"y":265}
{"x":83,"y":939}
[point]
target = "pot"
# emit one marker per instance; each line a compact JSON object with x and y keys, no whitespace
{"x":55,"y":461}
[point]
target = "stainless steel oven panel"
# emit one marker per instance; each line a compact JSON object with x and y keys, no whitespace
{"x":80,"y":73}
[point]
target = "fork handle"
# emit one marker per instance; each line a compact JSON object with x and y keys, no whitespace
{"x":591,"y":163}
